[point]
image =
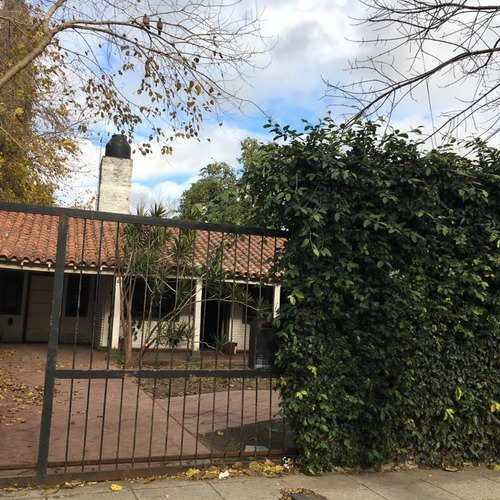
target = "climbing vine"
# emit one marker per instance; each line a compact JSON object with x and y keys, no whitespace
{"x":390,"y":334}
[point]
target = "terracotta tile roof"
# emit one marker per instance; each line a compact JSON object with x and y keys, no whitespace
{"x":32,"y":238}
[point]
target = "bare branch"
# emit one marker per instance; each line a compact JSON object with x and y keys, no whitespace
{"x":160,"y":67}
{"x":460,"y":38}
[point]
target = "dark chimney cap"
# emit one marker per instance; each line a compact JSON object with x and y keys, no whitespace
{"x":118,"y":147}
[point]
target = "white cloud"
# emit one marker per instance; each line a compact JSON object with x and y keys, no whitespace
{"x":310,"y":39}
{"x":167,"y":192}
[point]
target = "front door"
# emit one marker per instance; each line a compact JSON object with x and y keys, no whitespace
{"x":39,"y":307}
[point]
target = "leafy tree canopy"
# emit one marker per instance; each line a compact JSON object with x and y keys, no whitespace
{"x":206,"y":199}
{"x":221,"y":195}
{"x":36,"y":136}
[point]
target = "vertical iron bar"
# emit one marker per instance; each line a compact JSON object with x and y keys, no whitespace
{"x":246,"y":332}
{"x":175,"y":266}
{"x":246,"y":339}
{"x":93,"y":342}
{"x":231,"y":339}
{"x":221,"y":323}
{"x":242,"y":420}
{"x":85,"y":429}
{"x":204,"y":306}
{"x":75,"y":343}
{"x":91,"y":359}
{"x":120,"y":414}
{"x":50,"y":370}
{"x":167,"y":417}
{"x":136,"y":419}
{"x":115,"y":289}
{"x":152,"y":425}
{"x":270,"y":427}
{"x":147,"y":317}
{"x":186,"y":365}
{"x":256,"y":415}
{"x":201,"y":348}
{"x":197,"y":434}
{"x":218,"y":334}
{"x":233,"y":301}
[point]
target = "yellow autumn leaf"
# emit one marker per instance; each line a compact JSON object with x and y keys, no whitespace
{"x":50,"y":491}
{"x":68,"y":145}
{"x":116,"y":487}
{"x":192,"y":472}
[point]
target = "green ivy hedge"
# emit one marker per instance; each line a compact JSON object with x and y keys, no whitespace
{"x":390,"y":338}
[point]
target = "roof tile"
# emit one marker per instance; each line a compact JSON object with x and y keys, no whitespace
{"x":32,"y":238}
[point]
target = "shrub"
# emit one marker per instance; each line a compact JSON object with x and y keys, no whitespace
{"x":390,"y":337}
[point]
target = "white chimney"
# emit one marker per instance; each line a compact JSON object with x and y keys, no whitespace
{"x":115,"y":177}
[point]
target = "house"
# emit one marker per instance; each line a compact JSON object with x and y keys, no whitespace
{"x":92,"y":298}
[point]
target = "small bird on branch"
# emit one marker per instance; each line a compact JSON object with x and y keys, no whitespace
{"x":145,"y":21}
{"x":159,"y":26}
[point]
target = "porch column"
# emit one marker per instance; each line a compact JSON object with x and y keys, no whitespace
{"x":276,"y":300}
{"x":197,"y":315}
{"x":115,"y":319}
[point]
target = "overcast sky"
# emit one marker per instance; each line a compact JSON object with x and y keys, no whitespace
{"x":310,"y":41}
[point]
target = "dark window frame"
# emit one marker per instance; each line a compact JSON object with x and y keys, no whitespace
{"x":11,"y":292}
{"x":140,"y":306}
{"x":73,"y":293}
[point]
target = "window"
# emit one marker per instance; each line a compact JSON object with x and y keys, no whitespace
{"x":77,"y":298}
{"x":259,"y":302}
{"x":140,"y":307}
{"x":11,"y":292}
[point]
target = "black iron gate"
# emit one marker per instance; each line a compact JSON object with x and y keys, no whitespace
{"x":147,"y":355}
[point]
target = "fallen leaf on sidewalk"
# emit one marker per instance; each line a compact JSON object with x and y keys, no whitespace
{"x":116,"y":487}
{"x":494,"y":466}
{"x":210,"y":474}
{"x":192,"y":472}
{"x":50,"y":491}
{"x":290,"y":493}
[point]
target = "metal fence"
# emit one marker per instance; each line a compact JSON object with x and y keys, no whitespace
{"x":149,"y":327}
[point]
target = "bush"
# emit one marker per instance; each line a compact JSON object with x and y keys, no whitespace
{"x":390,"y":338}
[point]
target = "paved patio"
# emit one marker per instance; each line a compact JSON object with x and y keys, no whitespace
{"x":106,"y":421}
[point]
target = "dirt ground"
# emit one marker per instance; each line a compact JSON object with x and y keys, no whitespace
{"x":208,"y":360}
{"x":21,"y":387}
{"x":269,"y":434}
{"x":163,"y":388}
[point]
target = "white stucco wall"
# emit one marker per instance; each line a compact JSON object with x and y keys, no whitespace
{"x":238,"y":331}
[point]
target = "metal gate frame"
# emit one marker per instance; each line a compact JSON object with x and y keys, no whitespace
{"x":162,"y":464}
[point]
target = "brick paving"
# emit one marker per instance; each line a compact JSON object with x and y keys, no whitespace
{"x":105,"y":420}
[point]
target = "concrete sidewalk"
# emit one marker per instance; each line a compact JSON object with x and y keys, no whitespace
{"x":470,"y":484}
